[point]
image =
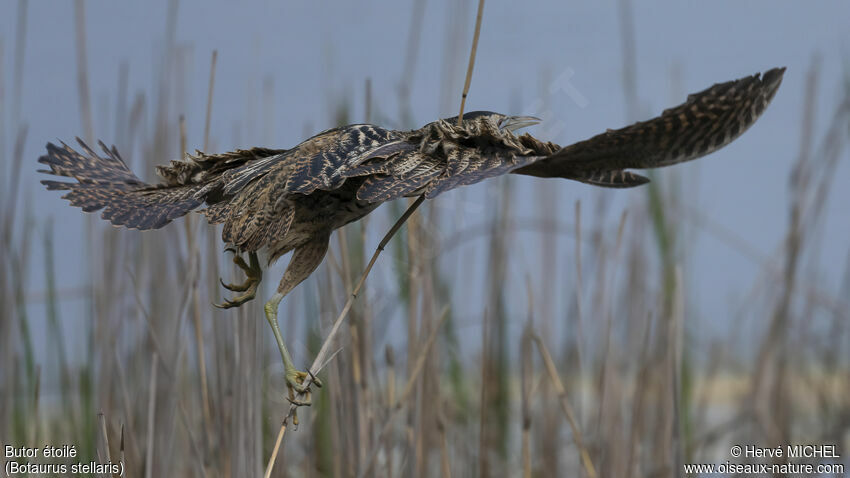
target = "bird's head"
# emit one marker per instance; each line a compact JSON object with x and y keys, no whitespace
{"x":493,"y":122}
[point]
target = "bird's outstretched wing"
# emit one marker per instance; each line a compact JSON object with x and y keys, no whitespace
{"x":103,"y":181}
{"x":707,"y":121}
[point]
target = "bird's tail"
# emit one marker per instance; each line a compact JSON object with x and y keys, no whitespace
{"x":105,"y":182}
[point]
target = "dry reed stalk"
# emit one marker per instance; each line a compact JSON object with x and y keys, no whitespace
{"x":335,"y":415}
{"x":14,"y":181}
{"x":367,"y":100}
{"x":608,"y":352}
{"x":390,"y":404}
{"x":405,"y":393}
{"x":357,"y":333}
{"x":627,"y":39}
{"x":18,"y":273}
{"x":55,"y":328}
{"x":414,"y":285}
{"x":408,"y":70}
{"x":565,"y":406}
{"x":369,"y":392}
{"x":548,"y":433}
{"x":425,"y":403}
{"x":195,"y":266}
{"x":36,"y":394}
{"x":471,"y":60}
{"x":208,"y":116}
{"x":3,"y":107}
{"x":151,"y":417}
{"x":526,"y":375}
{"x":275,"y":450}
{"x":121,"y":457}
{"x":120,"y":132}
{"x":217,"y":345}
{"x":128,"y":411}
{"x":445,"y":464}
{"x":483,"y":458}
{"x":579,"y":333}
{"x":7,"y":325}
{"x":676,"y":326}
{"x":20,"y":52}
{"x":334,"y":265}
{"x":642,"y":389}
{"x":104,"y":436}
{"x":82,"y":70}
{"x":11,"y":290}
{"x":345,"y":377}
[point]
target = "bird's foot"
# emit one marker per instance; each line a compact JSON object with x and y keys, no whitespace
{"x":295,"y":382}
{"x":253,"y":273}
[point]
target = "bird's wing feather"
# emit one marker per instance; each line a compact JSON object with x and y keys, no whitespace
{"x":405,"y":168}
{"x":328,"y":159}
{"x":320,"y":162}
{"x":707,"y":121}
{"x":200,"y":167}
{"x":611,"y":178}
{"x":479,"y":168}
{"x":261,"y":208}
{"x":103,"y":181}
{"x":389,"y":184}
{"x":412,"y":172}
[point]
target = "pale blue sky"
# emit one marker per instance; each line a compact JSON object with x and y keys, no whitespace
{"x":315,"y":54}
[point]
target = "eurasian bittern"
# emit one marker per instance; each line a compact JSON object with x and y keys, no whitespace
{"x":276,"y":200}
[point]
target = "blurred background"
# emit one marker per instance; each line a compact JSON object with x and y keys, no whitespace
{"x":707,"y":309}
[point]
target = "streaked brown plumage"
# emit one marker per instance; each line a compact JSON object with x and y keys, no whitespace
{"x":282,"y":200}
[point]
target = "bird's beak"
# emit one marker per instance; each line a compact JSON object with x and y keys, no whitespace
{"x":513,"y":123}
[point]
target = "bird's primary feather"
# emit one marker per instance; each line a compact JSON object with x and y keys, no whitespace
{"x":707,"y":121}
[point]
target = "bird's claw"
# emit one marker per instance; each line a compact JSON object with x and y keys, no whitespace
{"x":250,"y":293}
{"x":295,"y":383}
{"x":254,"y":275}
{"x":299,"y":403}
{"x":314,"y":379}
{"x":236,"y":302}
{"x":236,"y":287}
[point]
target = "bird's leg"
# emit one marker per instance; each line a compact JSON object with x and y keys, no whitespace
{"x":305,"y":260}
{"x":253,"y":273}
{"x":294,"y":377}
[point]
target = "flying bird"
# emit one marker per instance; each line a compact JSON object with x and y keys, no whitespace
{"x":275,"y":201}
